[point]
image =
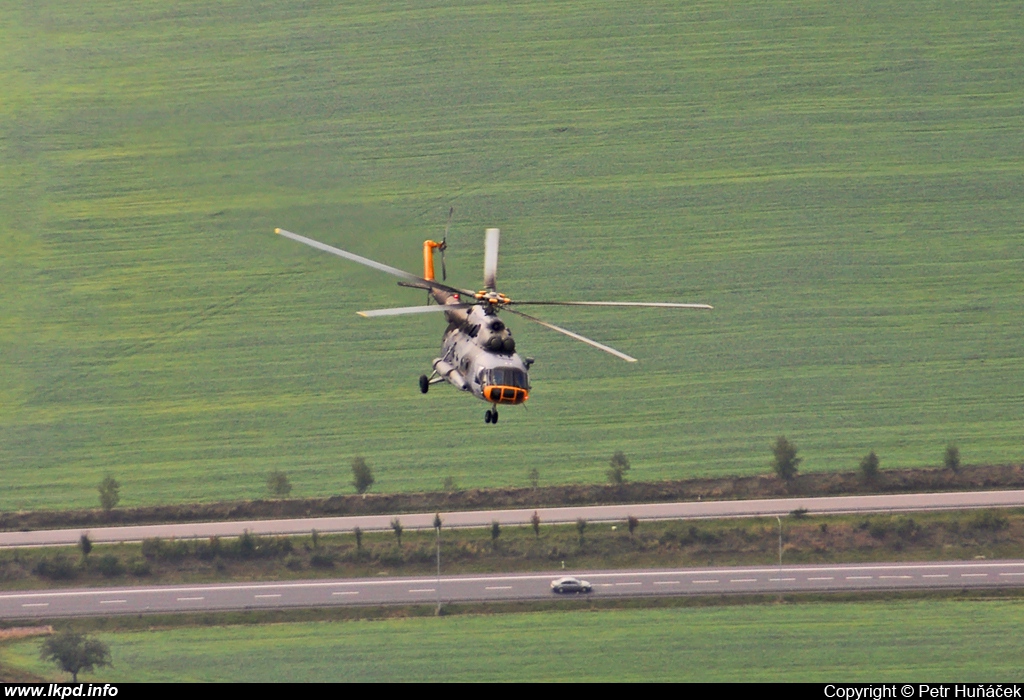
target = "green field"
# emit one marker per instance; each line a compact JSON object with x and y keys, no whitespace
{"x":843,"y":182}
{"x":933,"y":640}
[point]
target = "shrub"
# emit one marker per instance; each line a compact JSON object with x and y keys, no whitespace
{"x":786,"y":462}
{"x":109,"y":565}
{"x":139,"y":567}
{"x":952,"y":458}
{"x":869,"y":466}
{"x":278,"y":484}
{"x":165,"y":550}
{"x":535,"y":523}
{"x":618,"y":466}
{"x":56,"y":568}
{"x":208,"y":550}
{"x":396,"y":525}
{"x":534,"y":477}
{"x":110,"y":493}
{"x":362,"y":475}
{"x":989,"y":520}
{"x":322,"y":560}
{"x":85,"y":544}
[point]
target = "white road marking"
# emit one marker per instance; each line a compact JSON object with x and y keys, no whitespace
{"x":34,"y":605}
{"x":345,"y":593}
{"x":905,"y":576}
{"x":972,"y":575}
{"x":108,"y":602}
{"x":821,"y":578}
{"x":934,"y":575}
{"x":630,"y":583}
{"x":782,"y":579}
{"x":857,"y":578}
{"x":1013,"y":574}
{"x":497,"y":588}
{"x":422,"y":590}
{"x":666,"y":583}
{"x":189,"y":599}
{"x":743,"y":580}
{"x":705,"y":580}
{"x":269,"y":595}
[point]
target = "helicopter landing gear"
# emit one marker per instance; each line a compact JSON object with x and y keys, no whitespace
{"x":491,"y":416}
{"x":424,"y":384}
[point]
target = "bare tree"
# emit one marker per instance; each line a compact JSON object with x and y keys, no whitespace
{"x":631,"y":523}
{"x":534,"y":476}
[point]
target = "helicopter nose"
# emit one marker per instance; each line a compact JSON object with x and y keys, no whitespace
{"x":505,"y":394}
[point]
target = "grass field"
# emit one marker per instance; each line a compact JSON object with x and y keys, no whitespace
{"x":935,"y":640}
{"x":844,"y":183}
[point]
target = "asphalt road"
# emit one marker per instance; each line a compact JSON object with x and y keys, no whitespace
{"x":646,"y":511}
{"x":90,"y":602}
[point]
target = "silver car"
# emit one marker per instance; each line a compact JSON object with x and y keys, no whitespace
{"x":568,"y":584}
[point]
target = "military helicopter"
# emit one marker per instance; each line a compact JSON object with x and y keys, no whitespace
{"x":478,"y":353}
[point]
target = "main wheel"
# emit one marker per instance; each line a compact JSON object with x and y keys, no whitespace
{"x":424,"y":384}
{"x":487,"y":416}
{"x":494,"y":416}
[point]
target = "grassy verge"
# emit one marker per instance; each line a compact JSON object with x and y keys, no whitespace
{"x":938,"y":639}
{"x":837,"y":484}
{"x":925,"y":536}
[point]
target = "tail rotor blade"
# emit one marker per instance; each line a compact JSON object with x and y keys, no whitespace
{"x":491,"y":258}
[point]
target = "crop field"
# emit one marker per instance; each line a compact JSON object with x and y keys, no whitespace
{"x":843,"y":182}
{"x":938,"y":640}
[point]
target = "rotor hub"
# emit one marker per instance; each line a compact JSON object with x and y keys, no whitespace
{"x":492,"y":298}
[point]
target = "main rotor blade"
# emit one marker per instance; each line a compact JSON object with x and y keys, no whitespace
{"x":491,"y":258}
{"x":650,"y":304}
{"x":577,"y":336}
{"x":423,"y":283}
{"x":403,"y":310}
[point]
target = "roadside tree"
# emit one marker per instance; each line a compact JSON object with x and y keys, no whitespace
{"x":75,"y":653}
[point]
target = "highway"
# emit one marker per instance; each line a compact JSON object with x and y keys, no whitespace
{"x":83,"y":602}
{"x":463,"y":519}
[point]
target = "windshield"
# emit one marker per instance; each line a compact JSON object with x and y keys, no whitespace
{"x":508,"y":376}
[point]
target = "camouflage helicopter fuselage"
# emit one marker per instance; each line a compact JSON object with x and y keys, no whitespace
{"x":478,"y":354}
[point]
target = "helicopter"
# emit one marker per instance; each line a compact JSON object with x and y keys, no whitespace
{"x":478,"y":353}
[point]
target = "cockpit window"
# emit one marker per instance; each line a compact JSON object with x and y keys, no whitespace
{"x":508,"y":376}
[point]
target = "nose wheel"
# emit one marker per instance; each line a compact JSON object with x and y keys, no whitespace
{"x":491,"y":416}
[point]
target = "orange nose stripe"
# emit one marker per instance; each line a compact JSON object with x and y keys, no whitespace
{"x":505,"y":394}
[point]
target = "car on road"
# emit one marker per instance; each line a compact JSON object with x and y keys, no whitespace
{"x":569,"y":584}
